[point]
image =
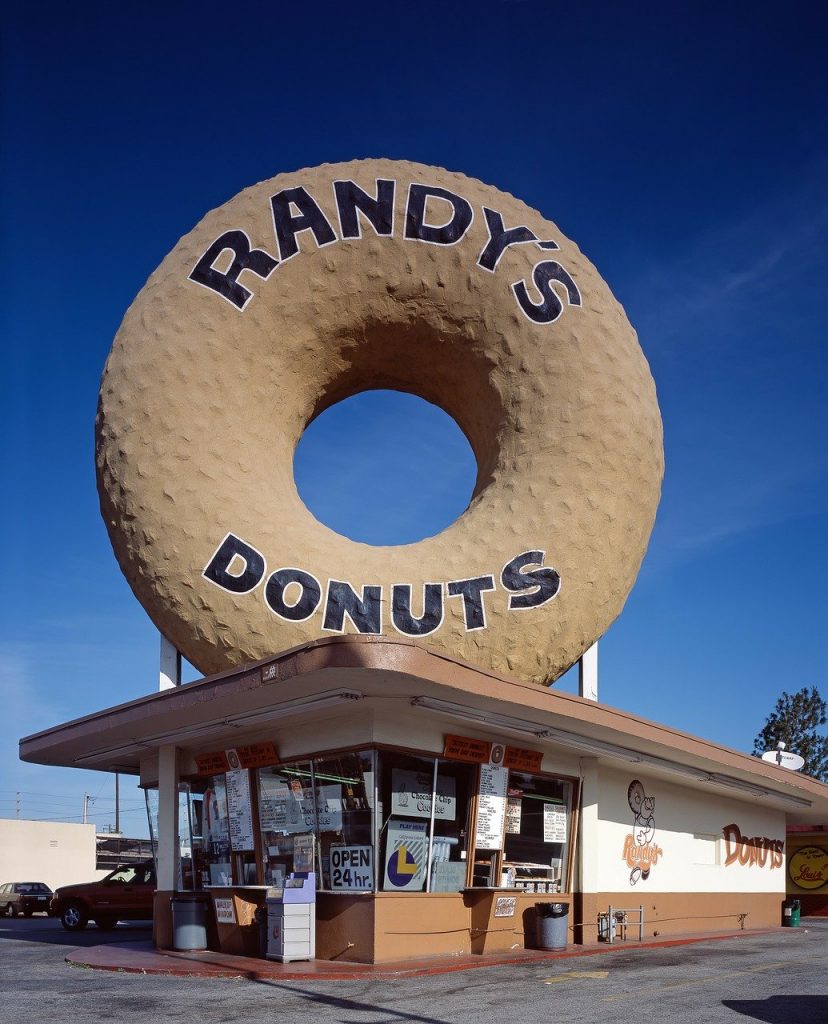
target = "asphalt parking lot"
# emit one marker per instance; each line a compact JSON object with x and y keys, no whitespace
{"x":778,"y":978}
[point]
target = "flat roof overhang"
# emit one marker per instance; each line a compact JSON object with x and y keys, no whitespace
{"x":359,"y":673}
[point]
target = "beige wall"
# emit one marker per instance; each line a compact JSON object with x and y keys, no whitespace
{"x":57,"y":853}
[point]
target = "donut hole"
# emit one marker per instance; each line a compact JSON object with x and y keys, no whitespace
{"x":385,"y":468}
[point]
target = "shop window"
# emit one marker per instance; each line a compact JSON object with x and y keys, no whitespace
{"x":287,"y":812}
{"x":413,"y":798}
{"x":537,"y":832}
{"x":345,"y":799}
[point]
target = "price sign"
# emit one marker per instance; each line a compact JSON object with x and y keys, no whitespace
{"x":238,"y":805}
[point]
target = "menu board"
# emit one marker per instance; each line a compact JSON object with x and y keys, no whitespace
{"x":238,"y":806}
{"x":554,"y":823}
{"x":491,"y":807}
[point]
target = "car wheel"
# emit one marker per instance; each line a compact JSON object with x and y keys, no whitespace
{"x":106,"y":922}
{"x":74,"y":917}
{"x":11,"y":910}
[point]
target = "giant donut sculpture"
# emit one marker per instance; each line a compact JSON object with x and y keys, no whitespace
{"x":316,"y":285}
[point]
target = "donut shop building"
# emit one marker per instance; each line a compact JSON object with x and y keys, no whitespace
{"x":403,"y":766}
{"x":437,"y":804}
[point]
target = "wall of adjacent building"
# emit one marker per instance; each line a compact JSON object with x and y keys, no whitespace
{"x":57,"y":853}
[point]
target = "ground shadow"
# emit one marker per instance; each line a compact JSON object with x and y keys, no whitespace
{"x":782,"y":1009}
{"x":355,"y":1005}
{"x":49,"y":930}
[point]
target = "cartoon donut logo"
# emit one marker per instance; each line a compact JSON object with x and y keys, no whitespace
{"x":639,"y":850}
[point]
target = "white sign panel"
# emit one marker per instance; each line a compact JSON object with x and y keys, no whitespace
{"x":289,"y":808}
{"x":554,"y":823}
{"x":491,"y":807}
{"x":238,"y":805}
{"x":505,"y":906}
{"x":352,"y":867}
{"x":225,"y":912}
{"x":406,"y":856}
{"x":411,"y":795}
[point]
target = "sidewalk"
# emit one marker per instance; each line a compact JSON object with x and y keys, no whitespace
{"x":143,"y":958}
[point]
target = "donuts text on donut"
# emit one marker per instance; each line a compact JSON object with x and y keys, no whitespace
{"x":412,"y":278}
{"x":378,"y":211}
{"x":239,"y":568}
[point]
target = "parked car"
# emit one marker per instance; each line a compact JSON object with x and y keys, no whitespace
{"x":125,"y":894}
{"x":24,"y":898}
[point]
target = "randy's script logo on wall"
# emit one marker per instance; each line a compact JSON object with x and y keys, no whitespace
{"x":640,"y":852}
{"x":435,"y":216}
{"x":750,"y":850}
{"x":294,"y":594}
{"x":808,"y":867}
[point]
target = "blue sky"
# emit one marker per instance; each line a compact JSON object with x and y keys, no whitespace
{"x":682,"y":146}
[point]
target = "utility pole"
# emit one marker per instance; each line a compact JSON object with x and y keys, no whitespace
{"x":85,"y":807}
{"x":18,"y":803}
{"x":117,"y":804}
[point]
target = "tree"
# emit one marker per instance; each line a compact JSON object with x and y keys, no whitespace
{"x":794,"y":721}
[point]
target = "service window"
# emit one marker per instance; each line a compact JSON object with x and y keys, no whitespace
{"x":287,"y":818}
{"x":212,"y":823}
{"x":413,"y":796}
{"x":537,"y":835}
{"x":344,"y":787}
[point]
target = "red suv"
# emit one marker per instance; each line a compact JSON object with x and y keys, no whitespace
{"x":125,"y":894}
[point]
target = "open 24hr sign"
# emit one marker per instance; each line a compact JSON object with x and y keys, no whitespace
{"x":352,"y":867}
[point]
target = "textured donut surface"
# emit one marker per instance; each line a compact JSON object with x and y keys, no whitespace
{"x":316,"y":285}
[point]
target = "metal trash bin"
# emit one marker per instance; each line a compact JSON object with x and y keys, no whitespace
{"x":790,"y":913}
{"x":551,"y":924}
{"x":189,"y":919}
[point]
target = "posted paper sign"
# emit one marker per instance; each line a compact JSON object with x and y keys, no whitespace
{"x":225,"y":912}
{"x":491,"y":807}
{"x":554,"y":823}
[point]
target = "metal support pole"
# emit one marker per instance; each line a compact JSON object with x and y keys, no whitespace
{"x":588,"y":673}
{"x":170,"y":665}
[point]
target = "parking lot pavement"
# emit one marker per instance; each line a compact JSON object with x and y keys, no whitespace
{"x":778,"y":978}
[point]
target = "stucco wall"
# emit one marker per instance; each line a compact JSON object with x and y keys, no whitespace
{"x":680,"y":839}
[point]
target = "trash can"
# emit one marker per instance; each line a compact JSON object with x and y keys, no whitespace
{"x":189,"y":917}
{"x":551,"y":923}
{"x":790,"y":913}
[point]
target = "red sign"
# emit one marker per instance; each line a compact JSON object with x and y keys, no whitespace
{"x":464,"y":748}
{"x":257,"y":755}
{"x":212,"y":764}
{"x":522,"y":760}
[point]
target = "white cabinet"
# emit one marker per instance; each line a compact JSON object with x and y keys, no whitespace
{"x":291,"y":931}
